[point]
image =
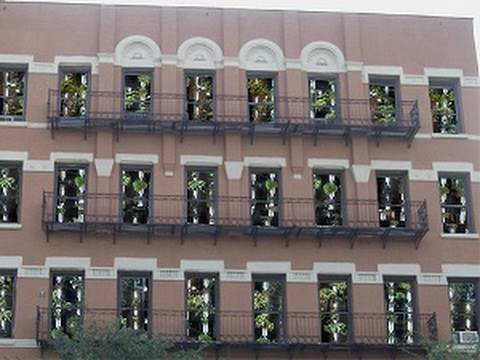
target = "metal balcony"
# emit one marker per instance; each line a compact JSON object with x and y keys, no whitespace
{"x":168,"y":112}
{"x":292,"y":330}
{"x":175,"y":215}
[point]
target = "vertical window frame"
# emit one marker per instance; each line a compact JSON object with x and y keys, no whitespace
{"x":387,"y":80}
{"x":137,"y":71}
{"x":278,"y":172}
{"x":403,"y":174}
{"x":264,"y":75}
{"x":151,"y":205}
{"x":454,"y":84}
{"x":340,"y":173}
{"x":17,"y":68}
{"x":200,"y":72}
{"x":337,"y":107}
{"x":14,"y":275}
{"x":216,"y":200}
{"x":62,"y":71}
{"x":476,"y":282}
{"x":19,"y":195}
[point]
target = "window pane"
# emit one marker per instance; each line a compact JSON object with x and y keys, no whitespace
{"x":71,"y":193}
{"x":199,"y":91}
{"x":261,"y":99}
{"x":333,"y":299}
{"x":399,"y":308}
{"x":136,"y":195}
{"x":444,"y":111}
{"x":201,"y":307}
{"x":138,"y":93}
{"x":463,"y":306}
{"x":323,"y":99}
{"x":7,"y":286}
{"x":268,"y":310}
{"x":134,"y":301}
{"x":264,"y":195}
{"x":66,"y":303}
{"x":73,"y":95}
{"x":391,"y":201}
{"x":454,"y":205}
{"x":327,"y":199}
{"x":382,"y":103}
{"x":12,"y":94}
{"x":9,"y":193}
{"x":201,"y":196}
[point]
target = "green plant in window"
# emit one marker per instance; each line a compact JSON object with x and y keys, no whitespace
{"x":330,"y":188}
{"x":126,"y":180}
{"x":204,"y":338}
{"x":262,"y":321}
{"x":73,"y":94}
{"x":139,"y":186}
{"x":137,"y":98}
{"x":271,"y":184}
{"x":444,"y":191}
{"x":195,"y":183}
{"x":317,"y":183}
{"x":324,"y":103}
{"x":259,"y":88}
{"x":79,"y":181}
{"x":7,"y":182}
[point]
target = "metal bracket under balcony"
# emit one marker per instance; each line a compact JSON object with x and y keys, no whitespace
{"x":170,"y":215}
{"x":286,"y":116}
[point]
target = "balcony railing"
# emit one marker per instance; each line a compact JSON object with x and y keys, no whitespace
{"x":170,"y":215}
{"x":291,"y":115}
{"x":234,"y":328}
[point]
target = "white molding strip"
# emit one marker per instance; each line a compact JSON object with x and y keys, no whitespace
{"x":11,"y":262}
{"x":135,"y":263}
{"x":100,"y":273}
{"x":68,"y":262}
{"x":461,"y":270}
{"x":71,"y":157}
{"x":334,"y":268}
{"x":11,"y":226}
{"x":202,"y":265}
{"x":19,"y":343}
{"x":33,"y":271}
{"x":236,"y":276}
{"x":136,"y":158}
{"x":325,"y":163}
{"x":201,"y":160}
{"x":265,"y":161}
{"x":13,"y":156}
{"x":470,"y":236}
{"x":168,"y":275}
{"x":399,"y":269}
{"x":269,"y":267}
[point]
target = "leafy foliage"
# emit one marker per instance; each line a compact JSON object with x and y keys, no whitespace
{"x":112,"y":342}
{"x":443,"y":351}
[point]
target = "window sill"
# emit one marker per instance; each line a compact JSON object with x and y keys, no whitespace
{"x":11,"y":226}
{"x":470,"y":236}
{"x":22,"y":123}
{"x":449,"y":136}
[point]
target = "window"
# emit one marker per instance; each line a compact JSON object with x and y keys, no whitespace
{"x":399,"y":311}
{"x":73,"y":92}
{"x":327,"y":198}
{"x":463,"y":295}
{"x":454,"y":204}
{"x":71,"y":193}
{"x":134,"y":300}
{"x":66,"y":302}
{"x":268,"y":307}
{"x":444,"y":106}
{"x":201,"y":196}
{"x":261,"y":98}
{"x":323,"y":99}
{"x":392,"y":198}
{"x":7,"y":308}
{"x":383,"y":99}
{"x":12,"y":94}
{"x":199,"y":89}
{"x":9,"y":193}
{"x":201,"y":306}
{"x":334,"y":310}
{"x":135,"y":184}
{"x":264,"y":197}
{"x":137,"y":92}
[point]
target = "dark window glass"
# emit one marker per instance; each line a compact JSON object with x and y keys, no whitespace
{"x":264,"y":196}
{"x":323,"y":99}
{"x":327,"y":199}
{"x":391,"y":201}
{"x":9,"y":193}
{"x":399,"y":310}
{"x":463,"y":305}
{"x":135,"y":301}
{"x":71,"y":194}
{"x":135,"y":185}
{"x":268,"y":306}
{"x":382,"y":103}
{"x":443,"y":104}
{"x":454,"y":204}
{"x":333,"y":299}
{"x":7,"y":286}
{"x":73,"y":93}
{"x":201,"y":307}
{"x":137,"y":93}
{"x":201,"y":196}
{"x":12,"y":95}
{"x":199,"y":90}
{"x":261,"y":99}
{"x":66,"y":300}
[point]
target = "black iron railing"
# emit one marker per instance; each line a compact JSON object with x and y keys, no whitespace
{"x":171,"y":112}
{"x":294,"y":217}
{"x":239,"y":328}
